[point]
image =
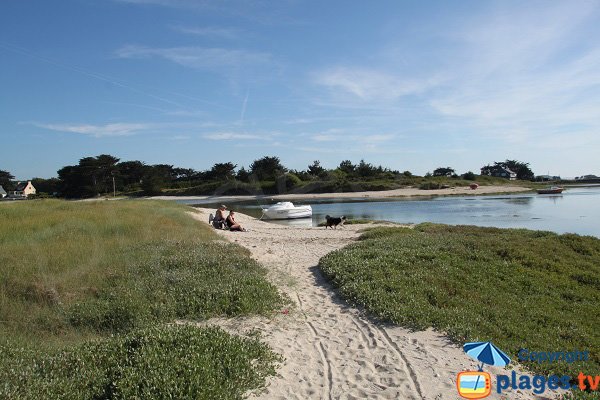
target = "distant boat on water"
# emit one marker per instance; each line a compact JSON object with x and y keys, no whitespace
{"x":551,"y":190}
{"x":287,"y":210}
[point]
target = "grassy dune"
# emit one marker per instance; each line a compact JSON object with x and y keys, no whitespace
{"x":74,"y":274}
{"x":517,"y":288}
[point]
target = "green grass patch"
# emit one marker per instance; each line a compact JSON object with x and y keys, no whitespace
{"x":75,"y":274}
{"x":168,"y":362}
{"x":71,"y":269}
{"x":516,"y":288}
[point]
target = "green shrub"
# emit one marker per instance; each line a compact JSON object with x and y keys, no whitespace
{"x":516,"y":288}
{"x":289,"y":181}
{"x":168,"y":362}
{"x":430,"y":186}
{"x":469,"y":176}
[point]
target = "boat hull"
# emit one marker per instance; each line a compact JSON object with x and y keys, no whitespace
{"x":554,"y":190}
{"x":287,"y":213}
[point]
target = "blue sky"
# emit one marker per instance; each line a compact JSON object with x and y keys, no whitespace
{"x":410,"y":85}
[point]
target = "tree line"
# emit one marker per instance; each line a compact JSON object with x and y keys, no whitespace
{"x":103,"y":174}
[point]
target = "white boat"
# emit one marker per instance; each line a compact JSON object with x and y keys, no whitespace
{"x":287,"y":210}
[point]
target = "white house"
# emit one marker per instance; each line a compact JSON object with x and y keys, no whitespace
{"x":2,"y":192}
{"x":23,"y":189}
{"x":505,"y":173}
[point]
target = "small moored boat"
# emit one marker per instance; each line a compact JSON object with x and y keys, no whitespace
{"x":287,"y":210}
{"x":551,"y":190}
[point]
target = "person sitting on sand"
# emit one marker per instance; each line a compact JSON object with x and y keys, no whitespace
{"x":232,"y":224}
{"x":219,"y":218}
{"x":220,"y":214}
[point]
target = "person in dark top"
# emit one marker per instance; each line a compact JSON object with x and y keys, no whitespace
{"x":232,"y":224}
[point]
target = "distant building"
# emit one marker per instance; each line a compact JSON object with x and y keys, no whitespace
{"x":546,"y":178}
{"x":586,"y":177}
{"x":504,"y":173}
{"x":2,"y":192}
{"x":23,"y":189}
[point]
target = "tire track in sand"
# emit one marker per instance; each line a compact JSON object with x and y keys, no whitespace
{"x":411,"y":372}
{"x":321,"y":350}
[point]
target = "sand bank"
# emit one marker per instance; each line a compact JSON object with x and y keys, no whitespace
{"x":331,"y":350}
{"x":383,"y":194}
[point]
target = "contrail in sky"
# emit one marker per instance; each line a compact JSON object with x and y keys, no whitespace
{"x":22,"y":51}
{"x":244,"y":106}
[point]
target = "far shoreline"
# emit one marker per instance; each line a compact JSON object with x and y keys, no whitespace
{"x":371,"y":195}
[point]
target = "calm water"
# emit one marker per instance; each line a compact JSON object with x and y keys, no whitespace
{"x":576,"y":210}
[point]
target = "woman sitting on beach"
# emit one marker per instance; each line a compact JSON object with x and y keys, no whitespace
{"x":220,"y":214}
{"x":219,"y":218}
{"x":232,"y":224}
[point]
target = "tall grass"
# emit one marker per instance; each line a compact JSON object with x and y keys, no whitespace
{"x":75,"y":272}
{"x":516,"y":288}
{"x":70,"y":269}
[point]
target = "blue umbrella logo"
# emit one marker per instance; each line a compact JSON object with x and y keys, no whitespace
{"x":486,"y":353}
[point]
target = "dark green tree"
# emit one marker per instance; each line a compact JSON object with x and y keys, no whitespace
{"x":222,"y":171}
{"x":267,"y":168}
{"x":347,"y":167}
{"x":444,"y":171}
{"x":74,"y":183}
{"x":520,"y":168}
{"x":49,"y":186}
{"x":366,"y":170}
{"x":157,"y":177}
{"x":243,"y":175}
{"x":131,"y":172}
{"x":470,"y":176}
{"x":316,"y":170}
{"x":92,"y":176}
{"x":185,"y":174}
{"x":5,"y":179}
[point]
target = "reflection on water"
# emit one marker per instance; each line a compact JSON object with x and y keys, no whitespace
{"x":516,"y":200}
{"x":300,"y":222}
{"x":575,"y":210}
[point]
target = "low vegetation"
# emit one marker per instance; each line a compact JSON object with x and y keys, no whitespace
{"x":516,"y":288}
{"x":168,"y":362}
{"x":71,"y":273}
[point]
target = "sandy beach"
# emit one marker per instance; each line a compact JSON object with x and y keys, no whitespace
{"x":331,"y":350}
{"x":383,"y":194}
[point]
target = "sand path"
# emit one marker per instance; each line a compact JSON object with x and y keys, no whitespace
{"x":333,"y":351}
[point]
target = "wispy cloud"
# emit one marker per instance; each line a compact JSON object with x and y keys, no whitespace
{"x":209,"y":31}
{"x":343,"y":136}
{"x":179,"y":138}
{"x":370,"y":85}
{"x":168,"y":3}
{"x":531,"y":74}
{"x":197,"y":57}
{"x":234,"y":136}
{"x":528,"y":75}
{"x":117,"y":129}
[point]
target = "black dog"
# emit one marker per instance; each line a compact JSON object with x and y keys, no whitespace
{"x":334,"y":222}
